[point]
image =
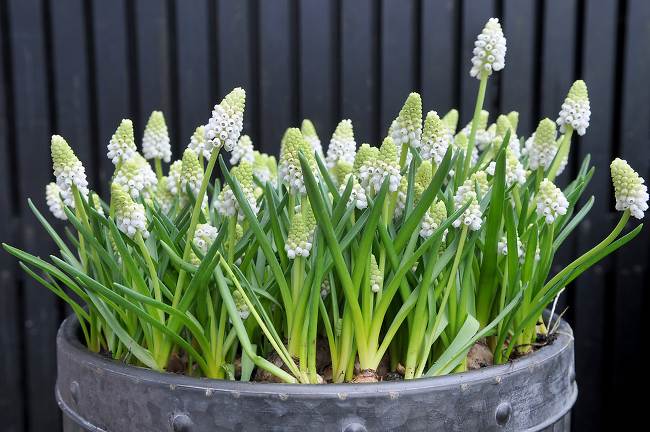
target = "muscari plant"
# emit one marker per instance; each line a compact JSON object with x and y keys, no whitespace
{"x":410,"y":252}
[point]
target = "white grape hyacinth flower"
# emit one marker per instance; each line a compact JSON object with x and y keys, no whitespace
{"x":489,"y":50}
{"x":299,"y":239}
{"x":54,"y":201}
{"x":197,"y":142}
{"x":432,"y":219}
{"x":342,"y":145}
{"x":435,"y":138}
{"x":122,"y":144}
{"x":357,"y":195}
{"x":68,"y":170}
{"x":551,"y":202}
{"x":155,"y":141}
{"x":130,"y":216}
{"x":204,"y":235}
{"x":629,"y":189}
{"x":472,"y":216}
{"x":136,"y":176}
{"x":406,"y":129}
{"x":242,"y":151}
{"x":226,"y":123}
{"x":515,"y":172}
{"x":503,"y":248}
{"x":576,"y":110}
{"x":387,"y":166}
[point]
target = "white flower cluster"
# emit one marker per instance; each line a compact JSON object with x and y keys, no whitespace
{"x":204,"y":235}
{"x":576,"y":110}
{"x":242,"y":151}
{"x":122,"y":144}
{"x":342,"y":145}
{"x":376,"y":276}
{"x":198,"y":144}
{"x":226,"y":203}
{"x":136,"y":176}
{"x":387,"y":166}
{"x":515,"y":172}
{"x":551,"y":202}
{"x":541,"y":147}
{"x":325,"y":288}
{"x":241,"y":305}
{"x":503,"y":248}
{"x":432,"y":219}
{"x":129,"y":215}
{"x":630,"y":192}
{"x":357,"y":195}
{"x":406,"y":129}
{"x":174,"y":177}
{"x":68,"y":170}
{"x":227,"y":121}
{"x":472,"y":216}
{"x":309,"y":132}
{"x":155,"y":142}
{"x":489,"y":50}
{"x":435,"y":138}
{"x":54,"y":201}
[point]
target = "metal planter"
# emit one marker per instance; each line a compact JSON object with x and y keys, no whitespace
{"x":534,"y":393}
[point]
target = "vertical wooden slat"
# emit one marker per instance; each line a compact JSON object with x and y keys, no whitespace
{"x":318,"y":77}
{"x":439,"y":55}
{"x":112,"y":77}
{"x":278,"y":93}
{"x":153,"y":63}
{"x":194,"y":28}
{"x":632,"y":279}
{"x":11,"y":365}
{"x":360,"y":70}
{"x":518,"y":77}
{"x":590,"y":305}
{"x":32,"y":137}
{"x":72,"y":100}
{"x":558,"y":58}
{"x":398,"y":58}
{"x":474,"y":16}
{"x":235,"y":62}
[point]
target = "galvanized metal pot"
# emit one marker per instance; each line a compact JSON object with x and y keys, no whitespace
{"x":534,"y":393}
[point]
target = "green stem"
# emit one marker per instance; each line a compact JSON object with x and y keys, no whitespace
{"x":196,"y":212}
{"x":472,"y":134}
{"x":158,"y":165}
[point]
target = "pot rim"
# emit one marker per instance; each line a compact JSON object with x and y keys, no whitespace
{"x":68,"y":340}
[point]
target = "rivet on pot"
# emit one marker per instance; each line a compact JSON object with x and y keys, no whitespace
{"x":354,"y":427}
{"x":502,"y":414}
{"x":182,"y":423}
{"x":74,"y":391}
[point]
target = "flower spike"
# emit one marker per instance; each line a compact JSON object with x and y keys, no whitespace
{"x":198,"y":143}
{"x":489,"y":50}
{"x":575,"y":110}
{"x":136,"y":177}
{"x":309,"y":132}
{"x":191,"y":172}
{"x":54,"y":201}
{"x":122,"y":144}
{"x":542,"y":146}
{"x":226,"y":123}
{"x":242,"y":151}
{"x":407,"y":127}
{"x":299,"y":240}
{"x":293,"y":143}
{"x":551,"y":202}
{"x":432,"y":219}
{"x":226,"y":203}
{"x":129,"y":215}
{"x":342,"y":145}
{"x":435,"y":138}
{"x":630,"y":192}
{"x":155,"y":142}
{"x":68,"y":170}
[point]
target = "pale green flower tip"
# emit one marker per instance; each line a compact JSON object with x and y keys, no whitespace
{"x":629,"y":189}
{"x":434,"y":127}
{"x":244,"y":175}
{"x":460,"y":141}
{"x":125,"y":131}
{"x":513,"y":116}
{"x":235,"y":100}
{"x":122,"y":144}
{"x":365,"y":155}
{"x":503,"y":125}
{"x":241,"y":305}
{"x":551,"y":202}
{"x":438,"y":212}
{"x":489,"y":50}
{"x":190,"y":166}
{"x":293,"y":141}
{"x":156,"y":121}
{"x":480,"y":178}
{"x":62,"y":154}
{"x":308,"y":129}
{"x":411,"y":112}
{"x":451,"y":120}
{"x":344,"y":130}
{"x":545,"y":133}
{"x":341,"y":170}
{"x":578,"y":92}
{"x":388,"y":152}
{"x":423,"y":176}
{"x":155,"y":141}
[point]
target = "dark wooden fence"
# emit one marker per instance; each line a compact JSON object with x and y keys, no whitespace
{"x":77,"y":67}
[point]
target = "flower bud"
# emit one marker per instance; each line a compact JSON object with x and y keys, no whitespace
{"x":191,"y":172}
{"x":226,"y":123}
{"x":489,"y":50}
{"x":434,"y":216}
{"x":435,"y":138}
{"x":242,"y":151}
{"x":136,"y":177}
{"x":198,"y":143}
{"x":575,"y":110}
{"x":551,"y":202}
{"x":299,"y":239}
{"x":376,"y":277}
{"x":407,"y":127}
{"x":68,"y":170}
{"x":342,"y":145}
{"x":309,"y":132}
{"x":129,"y":216}
{"x":54,"y":201}
{"x":122,"y":144}
{"x":155,"y":142}
{"x":630,"y":192}
{"x":290,"y":170}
